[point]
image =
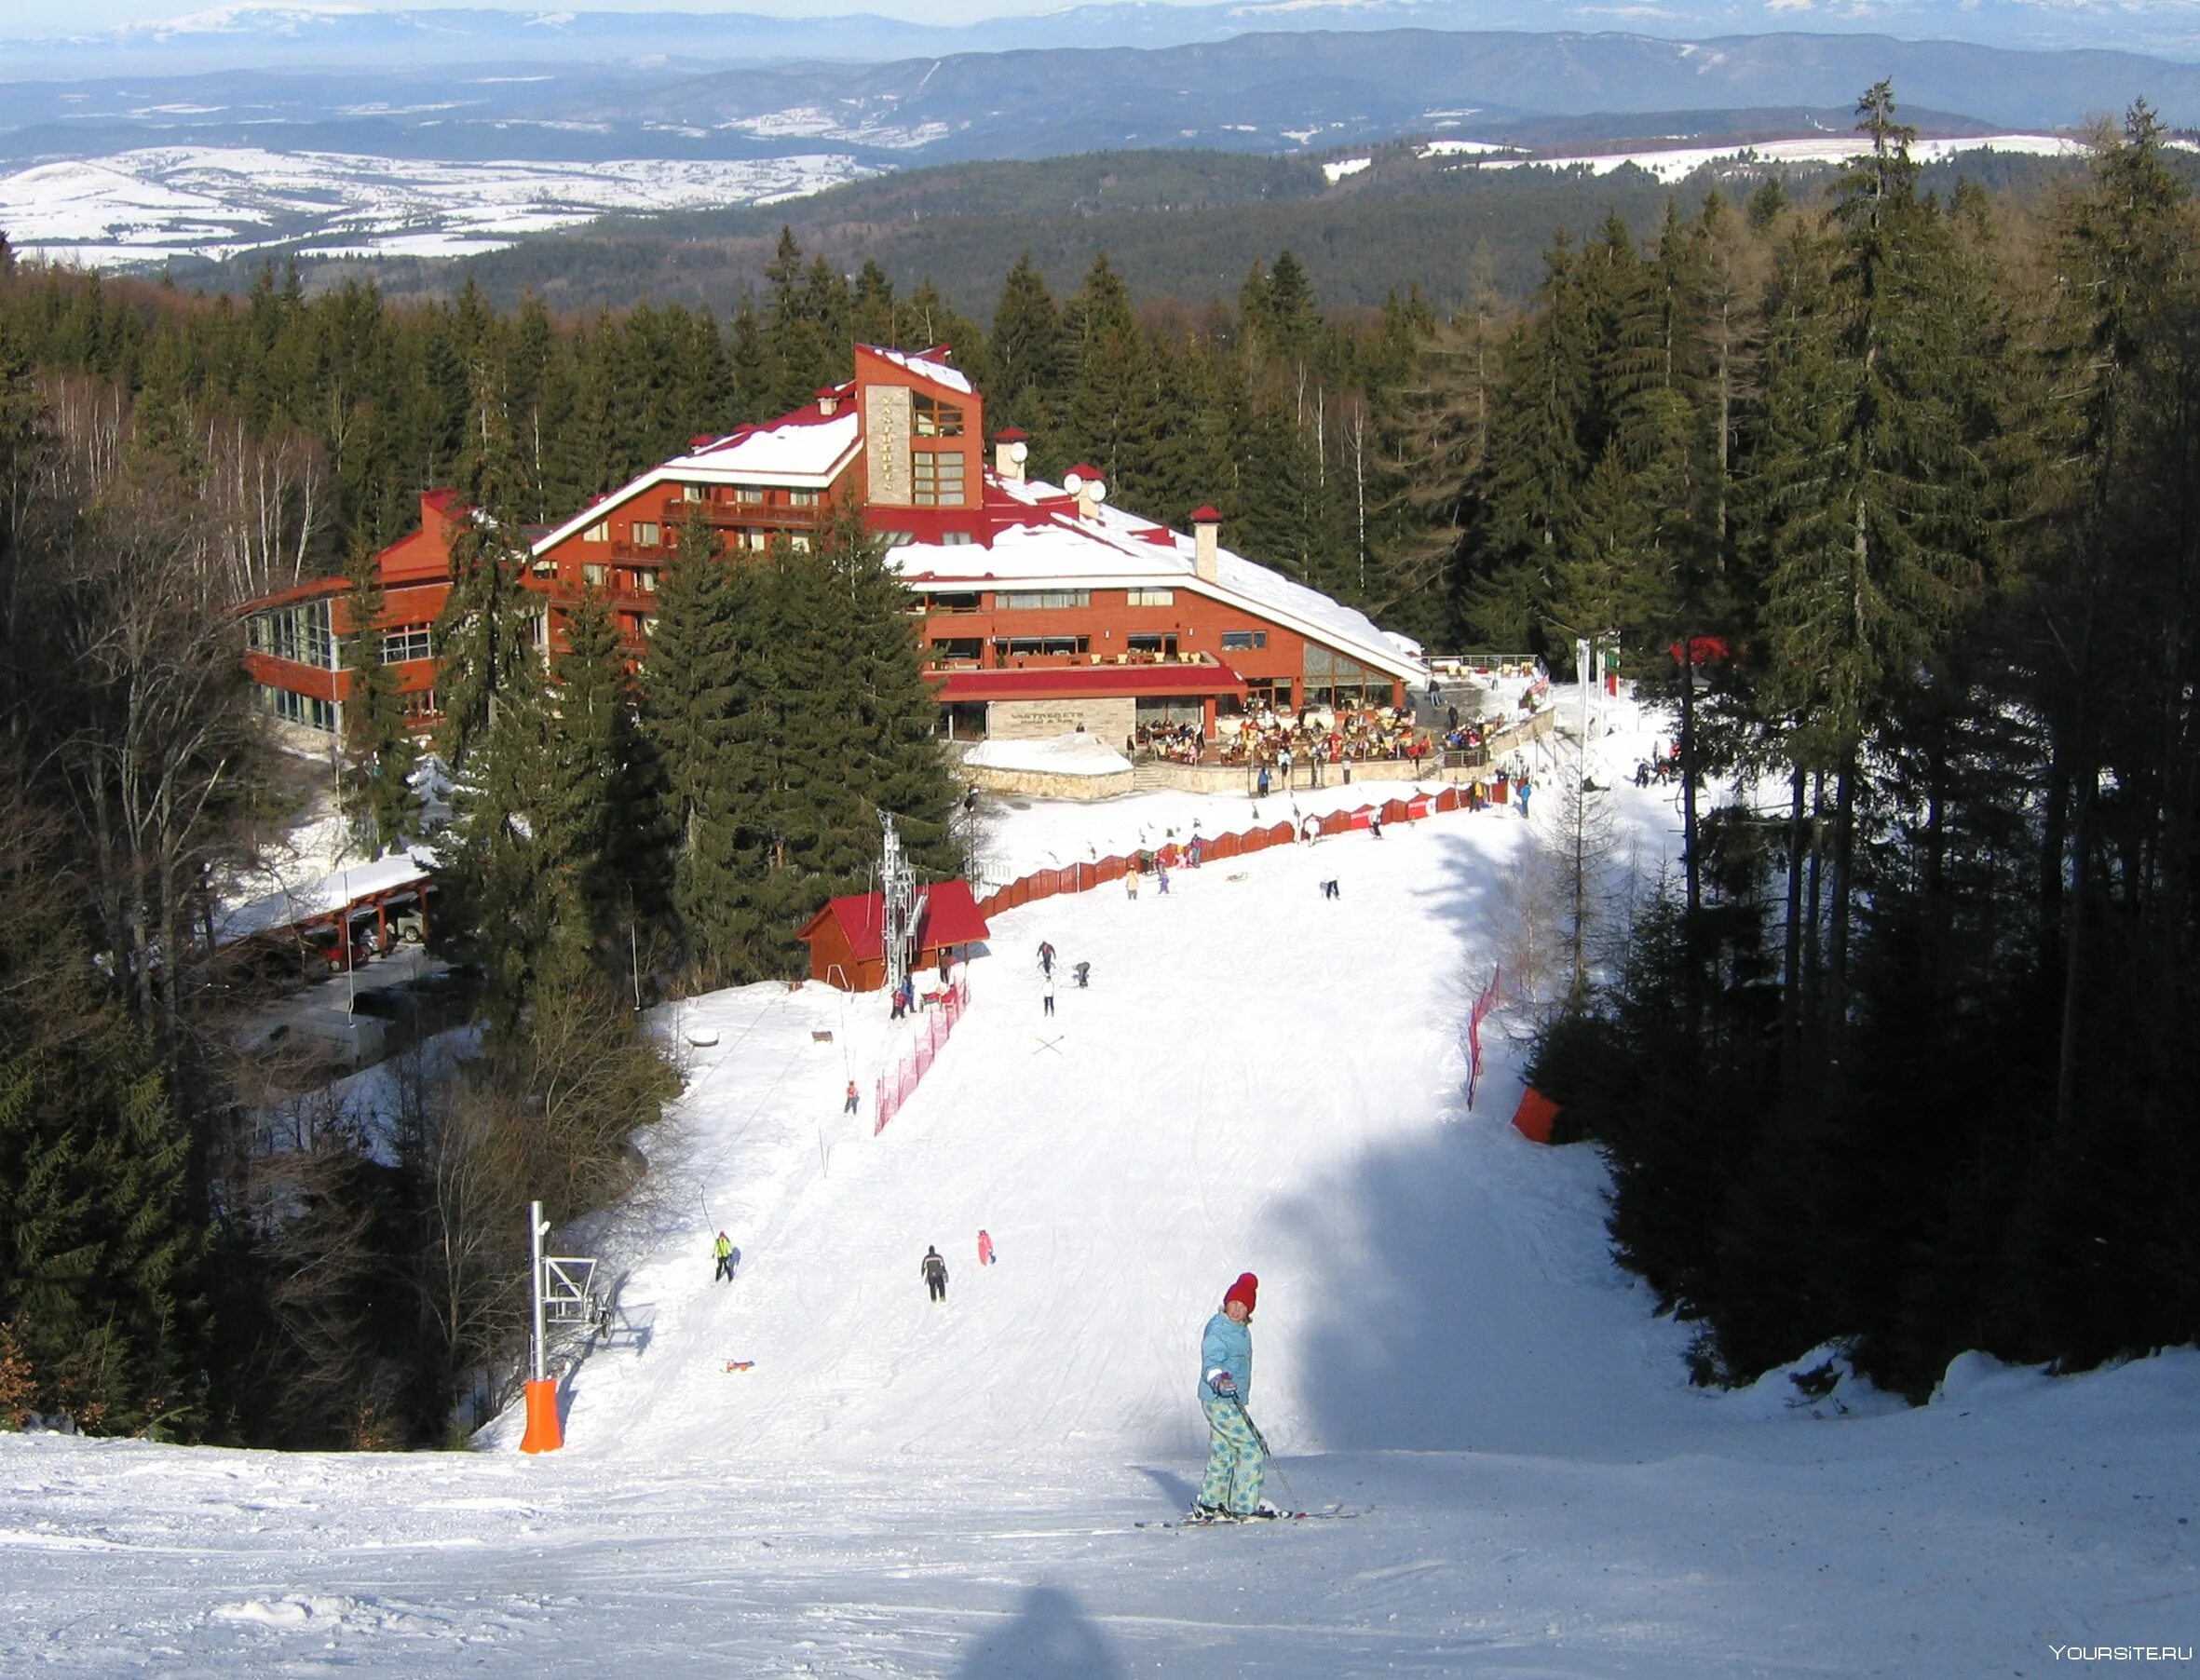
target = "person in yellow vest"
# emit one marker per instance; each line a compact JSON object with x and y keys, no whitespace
{"x":723,"y":1248}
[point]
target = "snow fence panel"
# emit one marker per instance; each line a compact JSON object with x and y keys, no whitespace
{"x":1281,"y":835}
{"x":1396,"y":811}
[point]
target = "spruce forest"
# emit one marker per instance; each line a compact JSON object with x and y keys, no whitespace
{"x":1887,"y":492}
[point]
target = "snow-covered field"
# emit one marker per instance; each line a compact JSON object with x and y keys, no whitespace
{"x":158,"y":202}
{"x":1259,"y":1078}
{"x":1677,"y":163}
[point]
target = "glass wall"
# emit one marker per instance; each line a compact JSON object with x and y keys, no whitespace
{"x":299,"y":634}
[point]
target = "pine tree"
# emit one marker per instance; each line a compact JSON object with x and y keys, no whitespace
{"x":379,"y":752}
{"x":692,"y":723}
{"x":1873,"y":485}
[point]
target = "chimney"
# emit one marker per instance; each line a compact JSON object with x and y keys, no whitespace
{"x":1206,"y":530}
{"x":828,"y":401}
{"x":1010,"y":452}
{"x":1085,"y":484}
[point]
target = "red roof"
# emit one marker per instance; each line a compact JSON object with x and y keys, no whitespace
{"x":950,"y":915}
{"x":1205,"y":516}
{"x":1089,"y":682}
{"x":1010,"y":434}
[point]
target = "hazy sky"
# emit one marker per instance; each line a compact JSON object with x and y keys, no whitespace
{"x":41,"y":17}
{"x":36,"y":18}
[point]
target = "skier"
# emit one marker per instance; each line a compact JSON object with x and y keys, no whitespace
{"x":1084,"y":974}
{"x":1048,"y":997}
{"x":852,"y":1099}
{"x":1525,"y":790}
{"x":1161,"y":875}
{"x":1375,"y":826}
{"x":1231,"y":1491}
{"x":722,"y":1248}
{"x":1046,"y":957}
{"x":985,"y":1248}
{"x":1131,"y":881}
{"x":901,"y":1004}
{"x":1192,"y":852}
{"x":934,"y":1272}
{"x":1261,"y":783}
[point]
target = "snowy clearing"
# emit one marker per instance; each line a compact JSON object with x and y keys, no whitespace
{"x":143,"y":206}
{"x":1259,"y":1078}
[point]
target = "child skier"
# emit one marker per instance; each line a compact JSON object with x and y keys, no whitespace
{"x":934,"y":1272}
{"x":1084,"y":974}
{"x":722,"y":1248}
{"x":985,"y":1248}
{"x":1231,"y":1491}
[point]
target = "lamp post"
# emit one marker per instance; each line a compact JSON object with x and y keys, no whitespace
{"x":545,"y":1433}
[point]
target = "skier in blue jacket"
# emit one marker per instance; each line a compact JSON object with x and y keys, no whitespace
{"x":1231,"y":1491}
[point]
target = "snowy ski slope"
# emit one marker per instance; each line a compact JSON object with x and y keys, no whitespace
{"x":1259,"y":1079}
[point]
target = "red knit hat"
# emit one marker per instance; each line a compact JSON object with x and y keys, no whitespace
{"x":1245,"y":1289}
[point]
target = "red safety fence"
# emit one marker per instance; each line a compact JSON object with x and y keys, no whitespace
{"x":1083,"y":877}
{"x":942,"y":1009}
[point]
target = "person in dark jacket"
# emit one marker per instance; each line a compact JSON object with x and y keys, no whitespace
{"x":934,"y":1272}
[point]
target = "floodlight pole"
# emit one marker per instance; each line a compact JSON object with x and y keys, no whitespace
{"x":537,"y":1226}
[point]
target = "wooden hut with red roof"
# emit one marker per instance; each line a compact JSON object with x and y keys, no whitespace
{"x":847,"y":939}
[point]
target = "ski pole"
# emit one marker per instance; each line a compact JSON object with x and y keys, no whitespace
{"x":1266,"y":1452}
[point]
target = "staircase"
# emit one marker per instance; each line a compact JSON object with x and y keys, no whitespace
{"x":1149,"y":778}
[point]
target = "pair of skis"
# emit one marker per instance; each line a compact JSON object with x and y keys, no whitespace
{"x":1327,"y":1512}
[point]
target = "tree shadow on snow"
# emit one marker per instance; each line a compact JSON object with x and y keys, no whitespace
{"x":1050,"y":1636}
{"x":1466,"y":1297}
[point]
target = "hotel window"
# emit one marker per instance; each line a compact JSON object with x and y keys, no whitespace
{"x":758,"y":540}
{"x":748,"y":493}
{"x":799,"y":543}
{"x":406,"y":642}
{"x":420,"y":703}
{"x":1011,"y":648}
{"x":896,"y":539}
{"x":802,"y":498}
{"x":648,"y":534}
{"x":595,"y":576}
{"x":300,"y":708}
{"x":934,"y":418}
{"x":1152,"y":645}
{"x":1150,"y":597}
{"x":645,"y":582}
{"x":1034,"y":600}
{"x":937,"y":477}
{"x":956,"y":539}
{"x":691,"y":493}
{"x":598,"y":533}
{"x":298,"y":633}
{"x":1240,"y":641}
{"x":945,"y":602}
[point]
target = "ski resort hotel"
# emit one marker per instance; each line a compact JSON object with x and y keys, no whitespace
{"x":1045,"y":608}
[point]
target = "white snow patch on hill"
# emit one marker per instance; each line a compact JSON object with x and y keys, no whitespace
{"x":1677,"y":163}
{"x":145,"y":205}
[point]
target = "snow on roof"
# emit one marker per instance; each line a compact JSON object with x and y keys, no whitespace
{"x":808,"y":446}
{"x":1040,"y":536}
{"x":805,"y":449}
{"x":923,"y":365}
{"x":325,"y":897}
{"x":1073,"y":754}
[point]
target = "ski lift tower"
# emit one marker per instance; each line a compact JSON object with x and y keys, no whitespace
{"x":902,"y":905}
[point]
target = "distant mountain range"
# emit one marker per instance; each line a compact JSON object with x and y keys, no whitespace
{"x":1263,"y":93}
{"x":247,"y":160}
{"x":337,"y":37}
